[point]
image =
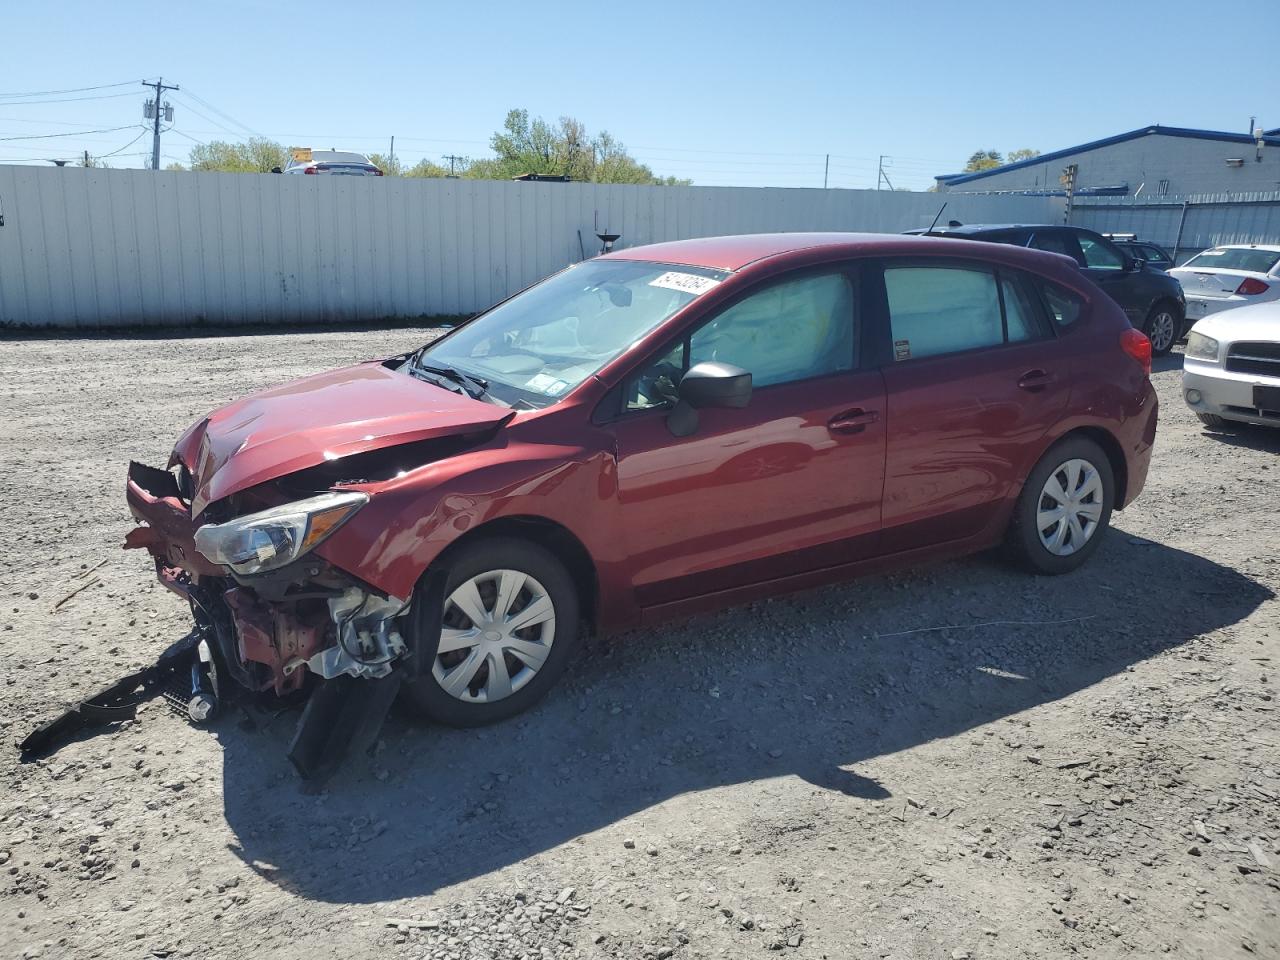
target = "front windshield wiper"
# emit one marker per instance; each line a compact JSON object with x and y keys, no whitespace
{"x":473,"y":386}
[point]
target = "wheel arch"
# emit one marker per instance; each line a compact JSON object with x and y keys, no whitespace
{"x":552,"y":536}
{"x":1105,"y":439}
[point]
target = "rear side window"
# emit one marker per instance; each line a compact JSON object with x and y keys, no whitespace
{"x":1022,"y":318}
{"x":1054,"y":242}
{"x":940,"y":310}
{"x":1064,"y":306}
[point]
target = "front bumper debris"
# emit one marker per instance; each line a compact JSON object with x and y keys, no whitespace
{"x":307,"y":627}
{"x":120,"y":701}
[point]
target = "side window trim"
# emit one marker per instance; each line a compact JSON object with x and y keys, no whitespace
{"x":613,"y":406}
{"x":878,"y":314}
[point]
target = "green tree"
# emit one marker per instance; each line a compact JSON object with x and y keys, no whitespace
{"x":564,"y":148}
{"x":390,"y":166}
{"x":425,"y":168}
{"x":256,"y":155}
{"x":1026,"y":153}
{"x":983,"y":160}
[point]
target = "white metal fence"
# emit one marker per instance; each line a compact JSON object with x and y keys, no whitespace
{"x":102,"y":248}
{"x":1185,"y":225}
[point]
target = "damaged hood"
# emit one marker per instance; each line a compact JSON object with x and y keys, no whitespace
{"x":323,"y":417}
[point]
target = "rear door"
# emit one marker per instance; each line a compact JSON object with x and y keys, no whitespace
{"x":973,"y":384}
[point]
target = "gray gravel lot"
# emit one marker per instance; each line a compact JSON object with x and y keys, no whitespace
{"x":962,"y":761}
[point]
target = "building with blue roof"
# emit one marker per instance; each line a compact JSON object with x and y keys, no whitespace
{"x":1154,"y":161}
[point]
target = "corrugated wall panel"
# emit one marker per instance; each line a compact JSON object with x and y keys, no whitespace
{"x":102,"y":248}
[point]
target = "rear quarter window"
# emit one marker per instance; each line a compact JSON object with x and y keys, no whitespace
{"x":1063,"y":305}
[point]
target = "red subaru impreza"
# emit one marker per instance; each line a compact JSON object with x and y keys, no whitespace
{"x":658,"y":431}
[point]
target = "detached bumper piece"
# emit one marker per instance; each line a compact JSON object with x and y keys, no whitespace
{"x":118,"y":702}
{"x":342,"y":716}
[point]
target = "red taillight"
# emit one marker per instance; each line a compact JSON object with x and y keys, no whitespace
{"x":311,"y":170}
{"x":1136,"y":345}
{"x":1251,"y":287}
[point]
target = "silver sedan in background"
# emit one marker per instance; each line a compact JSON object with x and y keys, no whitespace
{"x":1231,"y":370}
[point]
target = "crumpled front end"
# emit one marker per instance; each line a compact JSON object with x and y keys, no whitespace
{"x":272,"y":628}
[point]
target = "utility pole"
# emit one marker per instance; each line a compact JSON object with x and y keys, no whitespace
{"x":391,"y":161}
{"x":1068,"y":181}
{"x":153,"y":111}
{"x":826,"y":166}
{"x":452,"y":160}
{"x":882,"y":176}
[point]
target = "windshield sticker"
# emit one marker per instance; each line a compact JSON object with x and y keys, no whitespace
{"x":546,"y":384}
{"x":902,"y":349}
{"x":690,"y":283}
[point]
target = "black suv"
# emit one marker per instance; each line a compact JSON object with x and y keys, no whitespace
{"x":1151,"y":298}
{"x":1155,"y":256}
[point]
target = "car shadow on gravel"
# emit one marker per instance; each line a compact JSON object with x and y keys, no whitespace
{"x":1247,"y":435}
{"x":811,"y":686}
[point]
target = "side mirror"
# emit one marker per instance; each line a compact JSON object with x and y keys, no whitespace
{"x":1134,"y":264}
{"x":709,"y":384}
{"x":276,"y":170}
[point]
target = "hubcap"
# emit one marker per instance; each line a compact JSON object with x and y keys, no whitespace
{"x":496,"y":634}
{"x":1070,"y":507}
{"x":1162,"y":331}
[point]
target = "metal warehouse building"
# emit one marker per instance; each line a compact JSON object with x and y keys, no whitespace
{"x":1155,"y":161}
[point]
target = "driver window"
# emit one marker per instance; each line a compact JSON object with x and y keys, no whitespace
{"x":1099,"y":255}
{"x":793,"y":330}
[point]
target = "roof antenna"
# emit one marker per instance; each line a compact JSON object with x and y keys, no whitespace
{"x":936,"y":219}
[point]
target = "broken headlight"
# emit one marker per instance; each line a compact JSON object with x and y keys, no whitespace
{"x":272,"y":538}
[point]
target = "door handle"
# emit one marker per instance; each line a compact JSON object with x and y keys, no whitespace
{"x":1035,"y":380}
{"x":852,"y":421}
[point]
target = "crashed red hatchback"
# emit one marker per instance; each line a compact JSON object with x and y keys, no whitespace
{"x":658,"y":431}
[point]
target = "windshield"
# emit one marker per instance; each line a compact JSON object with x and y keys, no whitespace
{"x":1235,"y":258}
{"x":337,"y":156}
{"x":540,"y":344}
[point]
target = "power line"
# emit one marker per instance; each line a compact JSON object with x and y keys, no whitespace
{"x":225,"y":116}
{"x":48,"y":93}
{"x":78,"y":133}
{"x":22,"y":103}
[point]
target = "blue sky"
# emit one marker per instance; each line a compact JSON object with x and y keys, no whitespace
{"x":748,"y":93}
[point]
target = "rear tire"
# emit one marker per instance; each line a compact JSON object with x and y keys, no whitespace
{"x":1064,"y":508}
{"x":1163,"y":328}
{"x":1212,"y":420}
{"x":491,"y":668}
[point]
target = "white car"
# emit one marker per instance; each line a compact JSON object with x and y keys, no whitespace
{"x":340,"y":163}
{"x":1226,"y":277}
{"x":1231,"y":370}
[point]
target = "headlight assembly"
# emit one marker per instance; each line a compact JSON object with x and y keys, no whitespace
{"x":1200,"y":347}
{"x":273,"y":538}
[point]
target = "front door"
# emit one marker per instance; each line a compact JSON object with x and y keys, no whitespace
{"x":788,"y":484}
{"x":973,"y":384}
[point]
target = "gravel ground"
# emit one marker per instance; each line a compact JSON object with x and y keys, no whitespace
{"x":957,"y":762}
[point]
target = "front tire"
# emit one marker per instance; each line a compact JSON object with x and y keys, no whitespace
{"x":1212,"y":420}
{"x":503,"y":632}
{"x":1064,"y":508}
{"x":1162,"y":328}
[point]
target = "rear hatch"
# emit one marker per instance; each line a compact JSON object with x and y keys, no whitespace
{"x":1217,"y":274}
{"x":1213,"y":284}
{"x":348,"y":169}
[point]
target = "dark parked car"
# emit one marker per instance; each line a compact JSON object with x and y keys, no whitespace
{"x":1153,"y":255}
{"x":1150,"y":298}
{"x":656,"y":432}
